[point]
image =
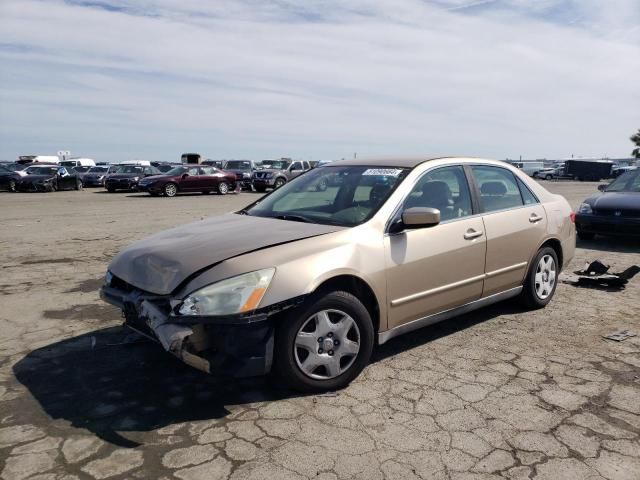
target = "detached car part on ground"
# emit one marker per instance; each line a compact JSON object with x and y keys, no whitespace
{"x":48,"y":178}
{"x":189,"y":179}
{"x":613,"y":211}
{"x":306,"y":280}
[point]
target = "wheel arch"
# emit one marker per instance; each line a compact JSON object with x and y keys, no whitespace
{"x":359,"y":288}
{"x":557,"y":247}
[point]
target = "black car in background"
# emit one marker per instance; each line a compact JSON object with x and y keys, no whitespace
{"x":243,"y":169}
{"x":8,"y":179}
{"x":613,"y":211}
{"x":95,"y":176}
{"x":126,"y":177}
{"x":48,"y":178}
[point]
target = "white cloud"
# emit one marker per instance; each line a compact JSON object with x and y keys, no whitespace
{"x":256,"y":79}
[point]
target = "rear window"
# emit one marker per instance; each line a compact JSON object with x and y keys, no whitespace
{"x":498,"y":188}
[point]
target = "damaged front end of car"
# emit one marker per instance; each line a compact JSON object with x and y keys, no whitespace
{"x":235,"y":345}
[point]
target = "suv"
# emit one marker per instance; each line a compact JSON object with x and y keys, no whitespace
{"x":275,"y":173}
{"x":243,"y":170}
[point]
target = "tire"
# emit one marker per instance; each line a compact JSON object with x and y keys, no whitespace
{"x":586,"y":235}
{"x":79,"y":185}
{"x":336,"y":369}
{"x":549,"y":177}
{"x":260,"y":189}
{"x":223,"y":188}
{"x":279,"y":182}
{"x":12,"y":186}
{"x":170,"y":190}
{"x":111,"y":190}
{"x":542,"y":279}
{"x":54,"y":186}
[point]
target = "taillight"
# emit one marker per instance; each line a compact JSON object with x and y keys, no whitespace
{"x":572,"y":217}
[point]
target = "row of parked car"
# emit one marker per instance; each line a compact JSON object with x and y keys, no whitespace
{"x":167,"y":179}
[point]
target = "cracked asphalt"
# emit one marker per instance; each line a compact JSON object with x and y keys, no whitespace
{"x":498,"y":393}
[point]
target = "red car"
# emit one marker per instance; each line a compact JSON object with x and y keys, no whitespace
{"x":189,"y":178}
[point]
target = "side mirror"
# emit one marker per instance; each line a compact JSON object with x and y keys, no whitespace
{"x":420,"y":217}
{"x":602,"y":187}
{"x":185,"y":175}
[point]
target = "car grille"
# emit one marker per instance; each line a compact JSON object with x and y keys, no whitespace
{"x":260,"y":175}
{"x":627,"y":213}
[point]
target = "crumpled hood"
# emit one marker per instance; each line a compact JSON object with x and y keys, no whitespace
{"x":161,"y":262}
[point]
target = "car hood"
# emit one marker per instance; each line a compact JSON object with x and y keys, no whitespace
{"x":155,"y":178}
{"x":124,"y":175}
{"x":271,"y":170}
{"x":162,"y":262}
{"x":615,"y":200}
{"x":36,"y":178}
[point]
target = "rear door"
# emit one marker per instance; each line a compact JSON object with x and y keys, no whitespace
{"x":514,"y":221}
{"x":430,"y":270}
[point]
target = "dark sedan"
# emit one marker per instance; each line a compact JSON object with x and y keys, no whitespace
{"x":614,"y":211}
{"x":8,"y":179}
{"x":127,"y":177}
{"x":95,"y":176}
{"x":187,"y":178}
{"x":49,"y":178}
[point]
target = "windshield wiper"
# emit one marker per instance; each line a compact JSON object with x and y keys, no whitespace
{"x":293,"y":218}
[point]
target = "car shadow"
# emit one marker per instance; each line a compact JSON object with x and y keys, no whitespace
{"x":610,"y":244}
{"x":116,"y":384}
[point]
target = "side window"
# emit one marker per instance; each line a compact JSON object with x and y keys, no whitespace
{"x":498,"y":188}
{"x":445,"y":189}
{"x":306,"y":165}
{"x":296,"y":166}
{"x":528,"y":197}
{"x":193,"y":171}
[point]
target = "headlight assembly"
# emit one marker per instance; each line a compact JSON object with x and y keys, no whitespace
{"x":239,"y":294}
{"x":585,"y":208}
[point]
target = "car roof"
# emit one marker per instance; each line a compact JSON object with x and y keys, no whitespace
{"x":391,"y":161}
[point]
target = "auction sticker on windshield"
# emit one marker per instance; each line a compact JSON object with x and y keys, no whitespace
{"x":388,"y":172}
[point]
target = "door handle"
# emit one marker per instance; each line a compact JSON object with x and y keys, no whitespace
{"x":534,"y":218}
{"x":471,"y":234}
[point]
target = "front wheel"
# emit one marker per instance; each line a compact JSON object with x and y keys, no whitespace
{"x":549,"y":177}
{"x":542,"y":279}
{"x":12,"y":186}
{"x":324,"y":344}
{"x":279,"y":182}
{"x":170,"y":190}
{"x":79,"y":185}
{"x":223,"y":188}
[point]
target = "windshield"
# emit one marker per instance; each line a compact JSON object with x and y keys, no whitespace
{"x":128,"y":169}
{"x":98,"y":170}
{"x":275,"y":164}
{"x":345,"y":196}
{"x":177,"y":171}
{"x":81,"y":169}
{"x":238,"y":165}
{"x":42,"y":170}
{"x":627,"y":182}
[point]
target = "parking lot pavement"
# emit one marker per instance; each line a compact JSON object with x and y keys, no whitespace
{"x":498,"y":393}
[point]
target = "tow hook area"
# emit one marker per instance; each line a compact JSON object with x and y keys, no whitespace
{"x":175,"y":338}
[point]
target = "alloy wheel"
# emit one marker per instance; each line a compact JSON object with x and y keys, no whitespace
{"x":327,"y":344}
{"x":545,"y":278}
{"x":223,"y":188}
{"x":170,"y":190}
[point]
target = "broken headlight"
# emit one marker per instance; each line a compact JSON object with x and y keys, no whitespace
{"x":239,"y":294}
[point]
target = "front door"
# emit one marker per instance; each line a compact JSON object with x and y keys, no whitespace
{"x":192,"y":181}
{"x":430,"y":270}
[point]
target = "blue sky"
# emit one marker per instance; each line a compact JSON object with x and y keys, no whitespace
{"x":115,"y":80}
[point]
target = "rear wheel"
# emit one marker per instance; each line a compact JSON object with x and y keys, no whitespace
{"x":79,"y":185}
{"x":586,"y":235}
{"x":542,"y":279}
{"x":324,"y":344}
{"x":549,"y":177}
{"x":223,"y":188}
{"x":170,"y":190}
